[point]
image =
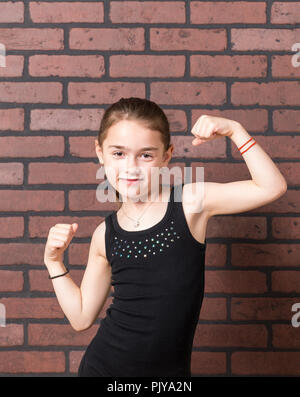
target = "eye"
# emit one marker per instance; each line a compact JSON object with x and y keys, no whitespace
{"x":116,"y":153}
{"x":147,"y":154}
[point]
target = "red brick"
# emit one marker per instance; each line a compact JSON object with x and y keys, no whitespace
{"x":78,"y":173}
{"x":194,"y":93}
{"x":235,"y":281}
{"x":32,"y":39}
{"x":229,"y":335}
{"x":208,"y":363}
{"x":169,"y":39}
{"x":31,"y":362}
{"x":31,"y":92}
{"x":177,"y":119}
{"x":11,"y":227}
{"x":86,"y":200}
{"x":263,"y":39}
{"x":31,"y":200}
{"x":56,"y":12}
{"x":237,"y":227}
{"x":227,"y":12}
{"x":269,"y":254}
{"x":11,"y":335}
{"x":272,"y":93}
{"x":183,"y":148}
{"x":265,"y":363}
{"x":78,"y":254}
{"x":30,"y":146}
{"x":32,"y":308}
{"x":109,"y":92}
{"x":285,"y":336}
{"x":147,"y":66}
{"x":291,"y":172}
{"x":272,"y":145}
{"x":82,"y":146}
{"x":66,"y":119}
{"x":39,"y":281}
{"x":11,"y":173}
{"x":286,"y":281}
{"x":14,"y":65}
{"x":286,"y":120}
{"x":213,"y":309}
{"x":67,"y":65}
{"x":12,"y":119}
{"x":261,"y":308}
{"x":228,"y":65}
{"x":11,"y":280}
{"x":253,"y":120}
{"x":215,"y":255}
{"x":289,"y":202}
{"x":147,"y":12}
{"x":220,"y":172}
{"x":286,"y":228}
{"x":21,"y":253}
{"x":40,"y":226}
{"x":74,"y":360}
{"x":283,"y":66}
{"x":11,"y":12}
{"x":107,"y":39}
{"x":59,"y":335}
{"x":206,"y":12}
{"x":285,"y":13}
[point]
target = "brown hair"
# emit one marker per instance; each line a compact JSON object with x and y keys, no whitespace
{"x":138,"y":109}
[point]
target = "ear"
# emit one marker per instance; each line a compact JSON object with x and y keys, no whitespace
{"x":168,"y":154}
{"x":98,"y":152}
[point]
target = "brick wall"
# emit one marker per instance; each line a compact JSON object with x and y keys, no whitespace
{"x":65,"y":62}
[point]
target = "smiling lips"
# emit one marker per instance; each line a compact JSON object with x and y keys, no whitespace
{"x":130,"y":180}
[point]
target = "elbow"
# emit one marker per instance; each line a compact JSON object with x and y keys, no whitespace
{"x":280,"y":191}
{"x":283,"y":187}
{"x":77,"y":329}
{"x":81,"y":327}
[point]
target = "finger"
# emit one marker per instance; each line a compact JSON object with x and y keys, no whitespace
{"x":57,"y":243}
{"x":64,"y":226}
{"x":58,"y":238}
{"x":59,"y":232}
{"x":197,"y":141}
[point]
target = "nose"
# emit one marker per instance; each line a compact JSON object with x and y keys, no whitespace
{"x":131,"y":165}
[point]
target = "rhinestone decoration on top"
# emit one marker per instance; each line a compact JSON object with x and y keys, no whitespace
{"x":136,"y":248}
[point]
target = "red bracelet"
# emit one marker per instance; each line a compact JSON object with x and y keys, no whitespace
{"x":246,"y":144}
{"x":248,"y":148}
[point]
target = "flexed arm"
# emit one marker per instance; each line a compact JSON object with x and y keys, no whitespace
{"x":267,"y":183}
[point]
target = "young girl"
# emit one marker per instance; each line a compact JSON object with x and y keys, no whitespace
{"x":152,"y":249}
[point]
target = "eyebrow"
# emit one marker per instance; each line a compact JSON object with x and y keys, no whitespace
{"x":124,"y":147}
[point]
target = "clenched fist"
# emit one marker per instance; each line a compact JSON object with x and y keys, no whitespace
{"x":59,"y":238}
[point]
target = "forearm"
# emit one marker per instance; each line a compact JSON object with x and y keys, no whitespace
{"x":68,"y":295}
{"x":263,"y":170}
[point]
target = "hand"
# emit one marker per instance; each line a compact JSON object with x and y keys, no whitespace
{"x":59,"y":238}
{"x":208,"y":127}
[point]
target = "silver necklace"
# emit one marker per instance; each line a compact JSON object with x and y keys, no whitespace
{"x":136,"y":221}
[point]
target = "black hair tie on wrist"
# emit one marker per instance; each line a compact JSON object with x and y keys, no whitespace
{"x":60,"y":275}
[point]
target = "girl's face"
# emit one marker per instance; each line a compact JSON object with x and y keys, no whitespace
{"x":132,"y":151}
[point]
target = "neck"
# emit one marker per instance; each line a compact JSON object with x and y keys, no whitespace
{"x":131,"y":206}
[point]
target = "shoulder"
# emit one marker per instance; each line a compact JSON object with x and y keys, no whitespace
{"x":99,"y":238}
{"x":194,"y":197}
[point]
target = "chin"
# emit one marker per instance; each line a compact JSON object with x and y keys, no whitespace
{"x":133,"y":191}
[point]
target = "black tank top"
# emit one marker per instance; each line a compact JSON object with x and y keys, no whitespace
{"x":158,"y":279}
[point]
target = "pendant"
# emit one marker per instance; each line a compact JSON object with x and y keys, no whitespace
{"x":137,"y":223}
